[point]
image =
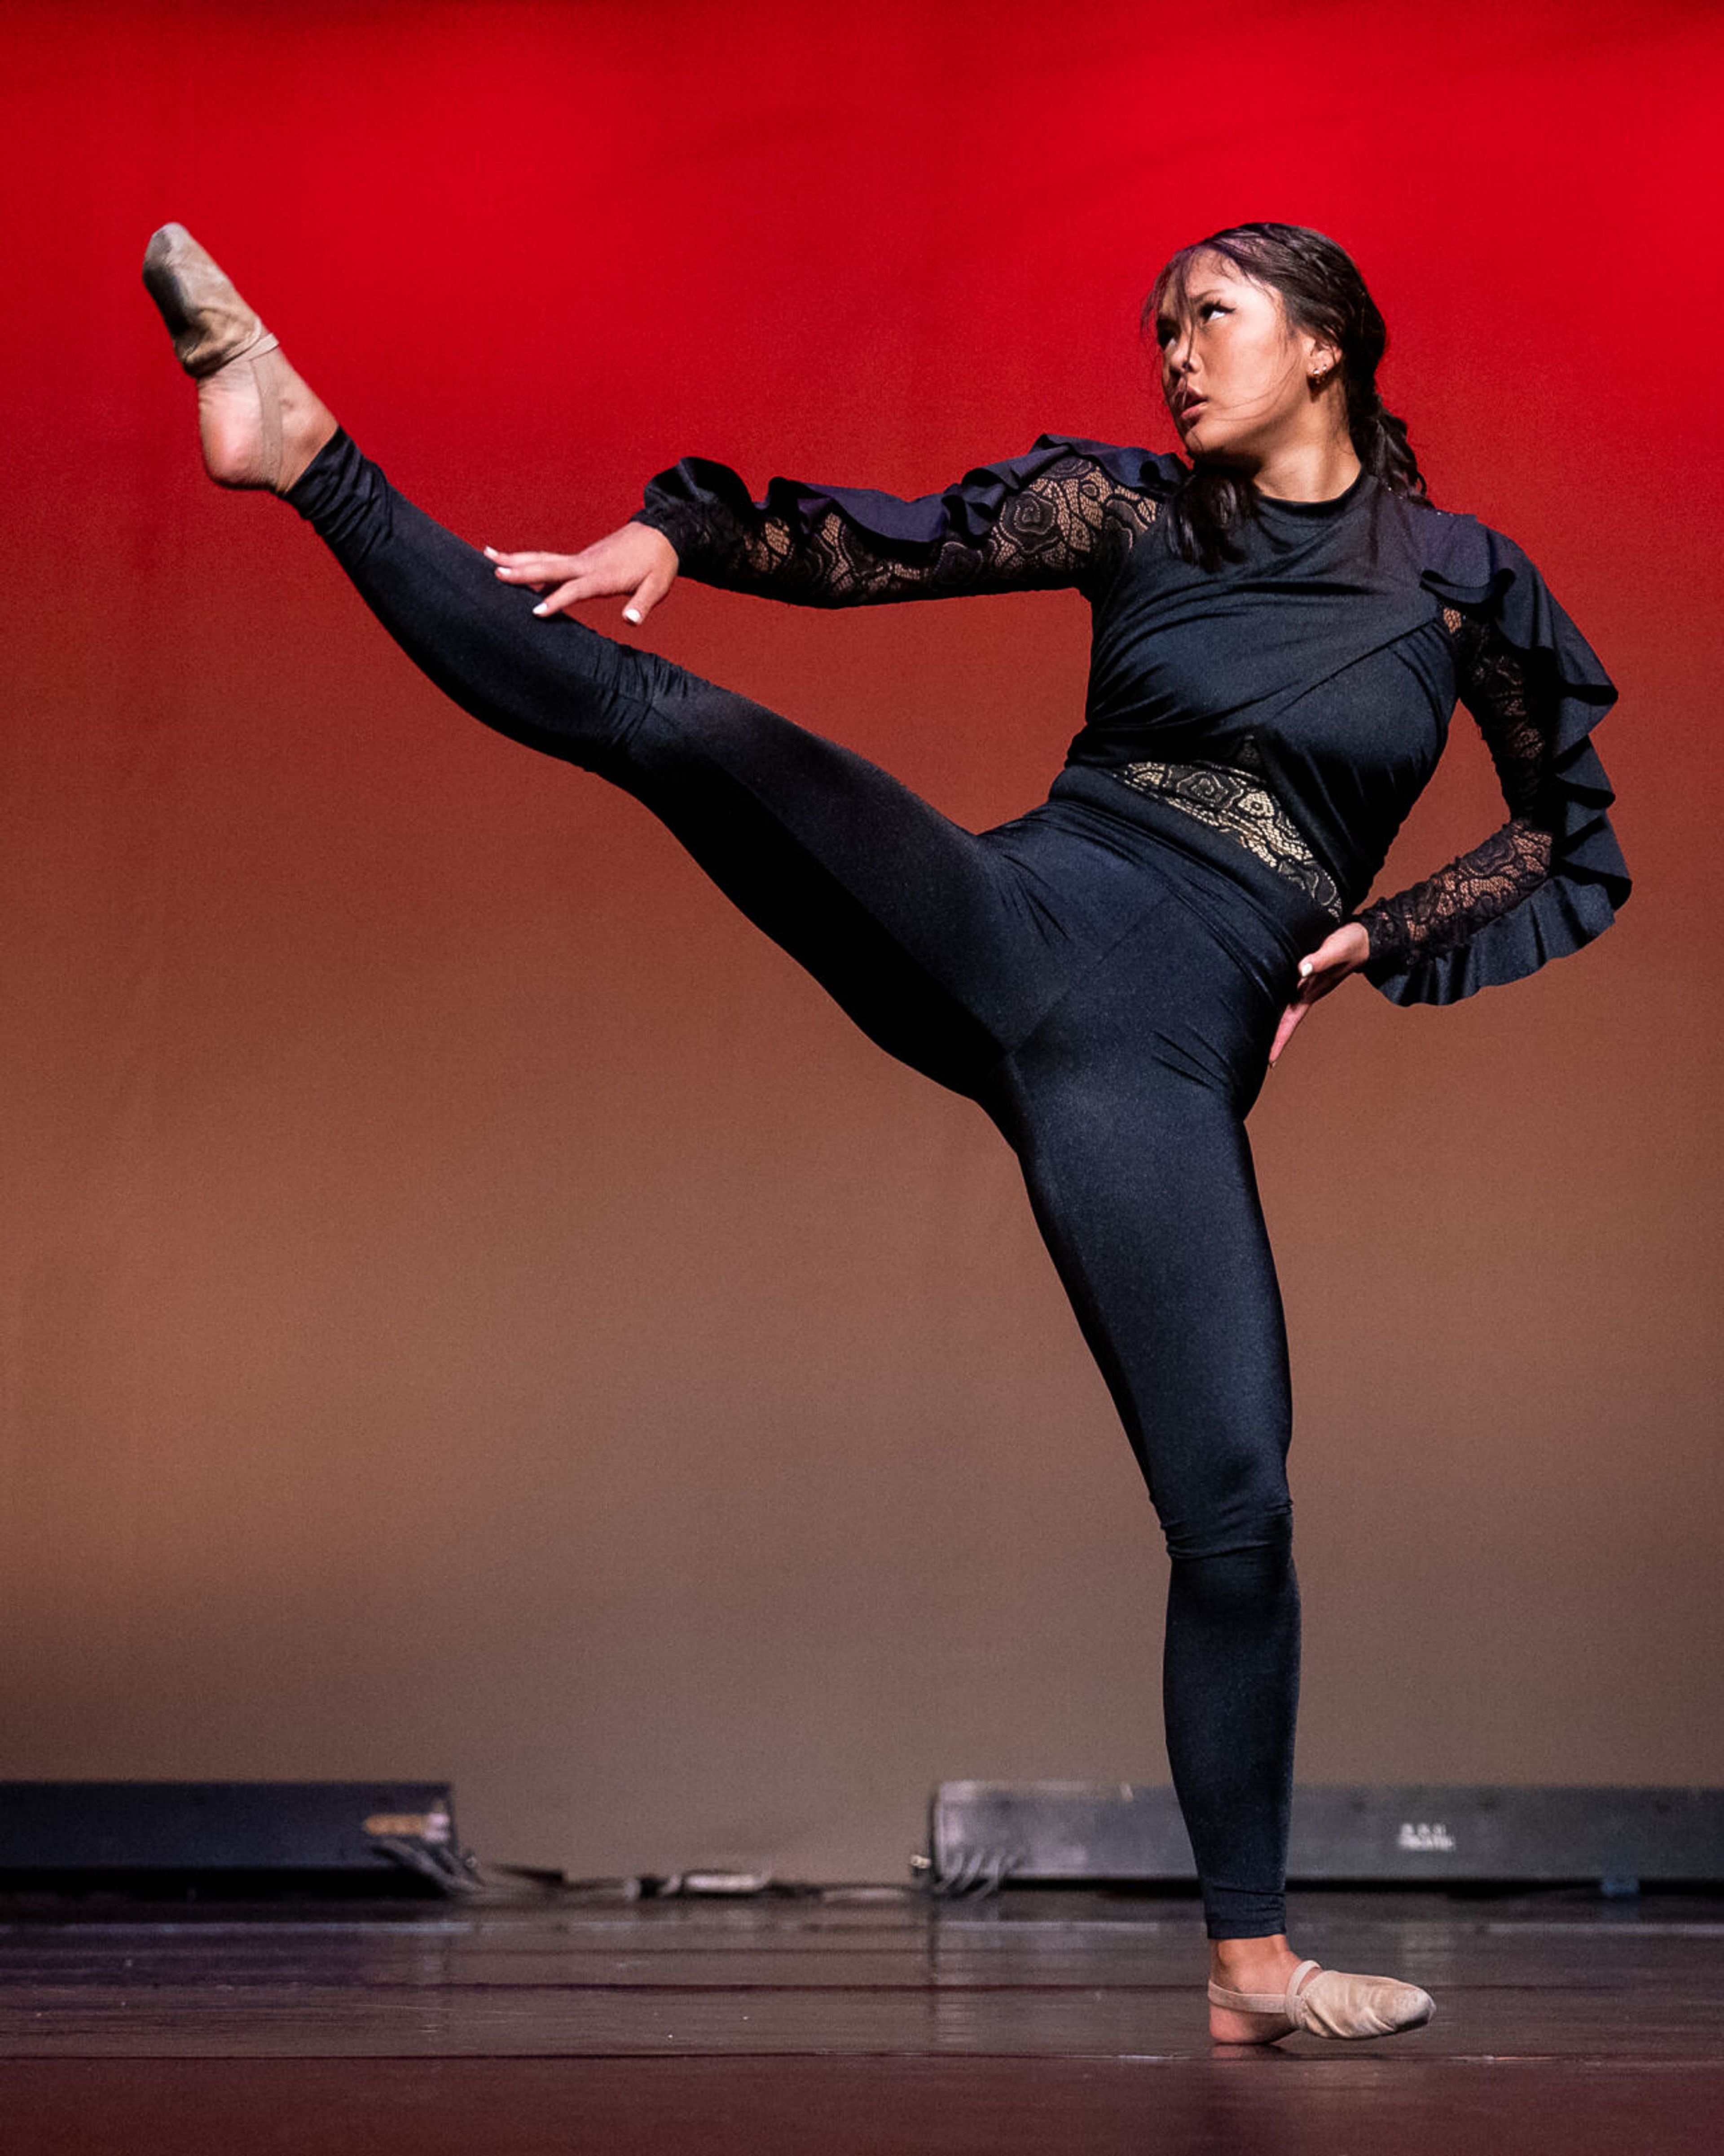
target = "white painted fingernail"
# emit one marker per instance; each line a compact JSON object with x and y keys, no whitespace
{"x":629,"y":615}
{"x":538,"y":609}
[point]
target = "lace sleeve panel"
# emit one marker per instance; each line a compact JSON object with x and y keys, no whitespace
{"x":1444,"y":911}
{"x":1068,"y":525}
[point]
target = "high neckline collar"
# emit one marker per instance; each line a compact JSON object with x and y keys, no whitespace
{"x":1334,"y":506}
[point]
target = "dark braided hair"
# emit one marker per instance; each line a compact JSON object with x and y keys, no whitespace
{"x":1324,"y":295}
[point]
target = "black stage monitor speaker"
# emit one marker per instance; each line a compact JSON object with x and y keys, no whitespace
{"x":1416,"y":1833}
{"x":221,"y":1839}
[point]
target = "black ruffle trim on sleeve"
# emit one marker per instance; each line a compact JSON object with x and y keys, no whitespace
{"x":965,"y":510}
{"x":1480,"y":569}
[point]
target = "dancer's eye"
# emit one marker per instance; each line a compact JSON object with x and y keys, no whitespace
{"x":1165,"y":331}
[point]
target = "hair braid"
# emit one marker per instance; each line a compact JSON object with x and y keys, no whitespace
{"x":1380,"y":443}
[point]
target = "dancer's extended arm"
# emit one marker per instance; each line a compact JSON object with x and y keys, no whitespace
{"x":1058,"y":516}
{"x":1064,"y":513}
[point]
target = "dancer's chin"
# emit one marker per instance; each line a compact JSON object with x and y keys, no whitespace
{"x":1206,"y":444}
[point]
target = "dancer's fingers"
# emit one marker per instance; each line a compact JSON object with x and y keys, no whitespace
{"x":636,"y":562}
{"x":564,"y":595}
{"x":532,"y":568}
{"x":1290,"y":1018}
{"x":647,"y":594}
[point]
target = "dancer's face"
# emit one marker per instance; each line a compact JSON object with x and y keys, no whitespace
{"x":1228,"y":341}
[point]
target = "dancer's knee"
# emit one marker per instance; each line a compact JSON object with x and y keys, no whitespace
{"x":1240,"y":1577}
{"x":1230,"y":1530}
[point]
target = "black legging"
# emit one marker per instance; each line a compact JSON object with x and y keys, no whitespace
{"x":1103,"y":976}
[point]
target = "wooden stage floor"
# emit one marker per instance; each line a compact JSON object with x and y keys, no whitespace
{"x":1032,"y":2020}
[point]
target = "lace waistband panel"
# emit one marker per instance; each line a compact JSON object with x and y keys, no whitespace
{"x":1235,"y":800}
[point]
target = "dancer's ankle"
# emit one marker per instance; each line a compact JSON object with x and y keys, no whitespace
{"x":1240,"y":1965}
{"x":259,"y":424}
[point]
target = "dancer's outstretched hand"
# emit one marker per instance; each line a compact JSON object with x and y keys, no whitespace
{"x":1337,"y":955}
{"x":634,"y":561}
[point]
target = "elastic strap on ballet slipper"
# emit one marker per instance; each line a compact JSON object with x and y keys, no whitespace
{"x":1263,"y":2002}
{"x":255,"y":345}
{"x":269,"y":407}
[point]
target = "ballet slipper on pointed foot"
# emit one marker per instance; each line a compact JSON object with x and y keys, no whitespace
{"x":259,"y":424}
{"x":1334,"y":2004}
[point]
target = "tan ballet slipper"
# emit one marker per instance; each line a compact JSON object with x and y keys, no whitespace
{"x":1334,"y":2004}
{"x":259,"y":423}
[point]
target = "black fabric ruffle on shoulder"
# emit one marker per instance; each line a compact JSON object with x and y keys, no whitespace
{"x":1477,"y":568}
{"x":965,"y":510}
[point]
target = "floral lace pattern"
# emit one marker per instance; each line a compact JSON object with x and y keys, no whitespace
{"x":1070,"y":524}
{"x":1236,"y":800}
{"x":1445,"y":909}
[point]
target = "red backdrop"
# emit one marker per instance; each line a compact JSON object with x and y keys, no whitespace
{"x":435,"y":1222}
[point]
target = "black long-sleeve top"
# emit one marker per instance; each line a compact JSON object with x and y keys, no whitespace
{"x":1299,"y":697}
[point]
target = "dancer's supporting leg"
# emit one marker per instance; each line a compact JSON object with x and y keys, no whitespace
{"x":1127,"y":1108}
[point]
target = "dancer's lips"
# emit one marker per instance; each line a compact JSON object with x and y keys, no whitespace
{"x":1186,"y":405}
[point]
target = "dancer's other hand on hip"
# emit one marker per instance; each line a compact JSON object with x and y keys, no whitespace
{"x":635,"y":561}
{"x":1337,"y":955}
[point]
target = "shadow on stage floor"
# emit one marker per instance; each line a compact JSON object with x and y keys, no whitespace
{"x":1033,"y":2021}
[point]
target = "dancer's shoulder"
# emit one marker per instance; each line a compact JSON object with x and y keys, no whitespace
{"x":1457,"y":549}
{"x":1465,"y":562}
{"x":1143,"y":471}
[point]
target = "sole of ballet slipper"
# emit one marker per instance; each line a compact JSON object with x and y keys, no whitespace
{"x":210,"y":324}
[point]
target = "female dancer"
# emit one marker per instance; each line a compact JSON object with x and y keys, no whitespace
{"x":1281,"y":630}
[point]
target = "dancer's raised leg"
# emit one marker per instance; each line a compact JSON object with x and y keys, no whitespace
{"x":919,"y":928}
